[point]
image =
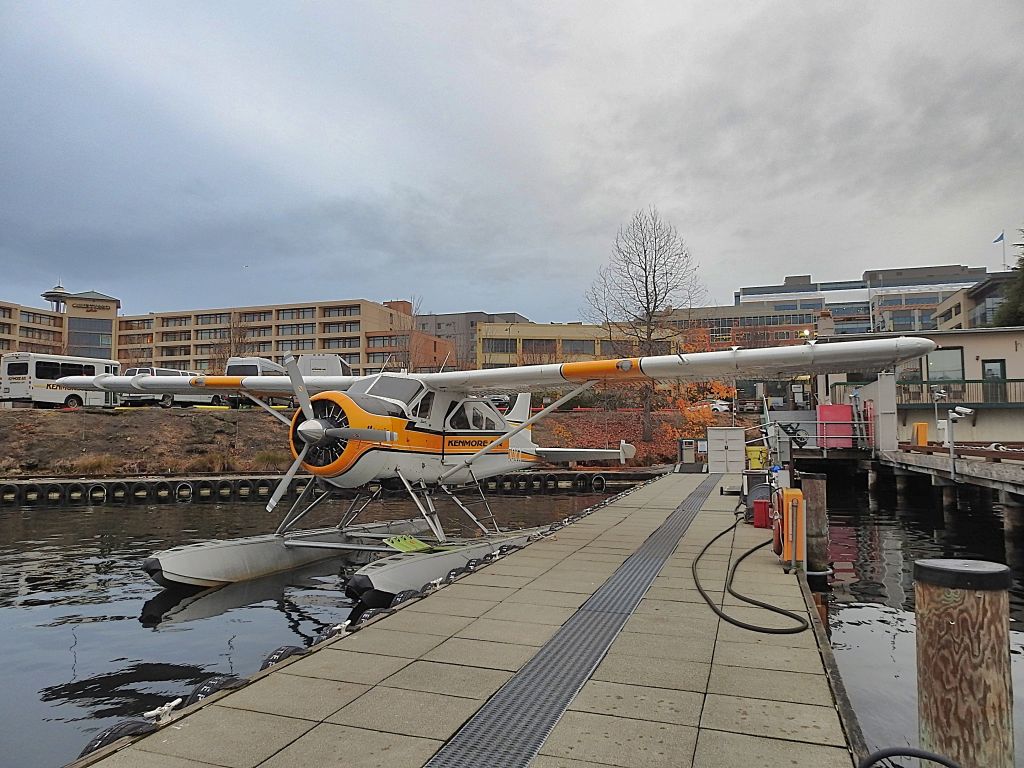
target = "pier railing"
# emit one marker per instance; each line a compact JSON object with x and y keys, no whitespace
{"x":975,"y":393}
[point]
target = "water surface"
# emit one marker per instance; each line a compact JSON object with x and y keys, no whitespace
{"x":87,"y":639}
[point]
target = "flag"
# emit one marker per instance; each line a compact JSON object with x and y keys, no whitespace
{"x":1000,"y":238}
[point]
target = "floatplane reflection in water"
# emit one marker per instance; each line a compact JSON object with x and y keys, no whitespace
{"x":433,"y":434}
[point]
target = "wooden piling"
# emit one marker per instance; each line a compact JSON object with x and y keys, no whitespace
{"x":964,"y":693}
{"x":813,"y":486}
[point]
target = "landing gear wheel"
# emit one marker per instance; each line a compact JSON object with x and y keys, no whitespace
{"x":73,"y":401}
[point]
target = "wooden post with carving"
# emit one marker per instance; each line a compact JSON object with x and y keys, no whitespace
{"x":964,"y":693}
{"x":813,"y":487}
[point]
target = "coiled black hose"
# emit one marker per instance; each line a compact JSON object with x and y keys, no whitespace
{"x":802,"y":624}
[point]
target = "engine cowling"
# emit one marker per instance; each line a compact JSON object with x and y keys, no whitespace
{"x":329,"y":453}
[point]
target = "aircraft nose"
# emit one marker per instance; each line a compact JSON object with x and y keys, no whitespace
{"x":311,"y":431}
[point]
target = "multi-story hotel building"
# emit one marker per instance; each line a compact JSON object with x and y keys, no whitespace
{"x":365,"y":334}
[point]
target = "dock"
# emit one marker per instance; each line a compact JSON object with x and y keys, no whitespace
{"x":588,"y":648}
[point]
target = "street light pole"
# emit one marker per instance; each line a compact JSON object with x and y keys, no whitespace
{"x":938,"y":394}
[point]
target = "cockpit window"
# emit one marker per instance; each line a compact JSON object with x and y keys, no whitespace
{"x":396,"y":388}
{"x":475,"y":414}
{"x":422,"y":408}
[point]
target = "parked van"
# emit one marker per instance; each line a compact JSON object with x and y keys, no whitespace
{"x":253,"y":366}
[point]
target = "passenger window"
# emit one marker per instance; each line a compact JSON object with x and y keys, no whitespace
{"x":17,"y":369}
{"x":47,"y":370}
{"x":478,"y":419}
{"x":131,"y":372}
{"x":459,"y":419}
{"x":423,"y":407}
{"x":89,"y":370}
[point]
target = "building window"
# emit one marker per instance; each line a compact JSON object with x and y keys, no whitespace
{"x":202,"y":364}
{"x":212,"y":333}
{"x":500,"y":346}
{"x":377,"y":357}
{"x":135,"y":325}
{"x":297,"y":329}
{"x":341,"y":327}
{"x":134,"y":338}
{"x":787,"y":306}
{"x":263,"y":330}
{"x":214,"y":318}
{"x":347,"y":311}
{"x":295,"y":345}
{"x":296,"y":314}
{"x":578,"y":347}
{"x":346,"y":342}
{"x":946,"y":364}
{"x":351,"y":359}
{"x":170,"y":322}
{"x":37,"y":319}
{"x":184,"y":351}
{"x":176,"y":336}
{"x":38,"y":334}
{"x":256,"y":317}
{"x":5,"y":312}
{"x":387,"y":341}
{"x":538,"y":346}
{"x":263,"y":347}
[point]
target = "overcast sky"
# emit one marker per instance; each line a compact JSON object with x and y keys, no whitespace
{"x":482,"y":155}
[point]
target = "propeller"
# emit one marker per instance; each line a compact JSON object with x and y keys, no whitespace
{"x":299,"y":387}
{"x":286,"y":481}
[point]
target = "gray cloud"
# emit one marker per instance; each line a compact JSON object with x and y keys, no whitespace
{"x":194,"y":155}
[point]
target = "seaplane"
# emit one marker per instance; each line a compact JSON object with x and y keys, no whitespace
{"x":433,"y":435}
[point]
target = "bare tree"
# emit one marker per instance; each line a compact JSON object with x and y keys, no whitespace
{"x":651,"y":273}
{"x":236,"y":342}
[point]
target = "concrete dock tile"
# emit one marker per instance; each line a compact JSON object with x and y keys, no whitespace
{"x":762,"y":589}
{"x":780,"y":657}
{"x":339,"y":746}
{"x":684,"y":595}
{"x":466,"y":592}
{"x":732,"y":634}
{"x":387,"y":642}
{"x":699,"y":629}
{"x":509,"y":569}
{"x":548,"y":597}
{"x":427,"y":624}
{"x":773,"y":719}
{"x":441,"y":604}
{"x":695,"y":611}
{"x":597,"y":557}
{"x":771,"y":684}
{"x":546,"y":761}
{"x":347,"y":666}
{"x":451,"y":679}
{"x":485,"y":578}
{"x":134,"y":757}
{"x":411,"y":713}
{"x":637,"y":670}
{"x":660,"y":705}
{"x":519,"y":632}
{"x":293,"y":696}
{"x":621,"y":741}
{"x":667,"y":647}
{"x":535,"y":614}
{"x":789,"y":602}
{"x":482,"y":653}
{"x":230,"y":737}
{"x":578,"y":586}
{"x":719,"y":749}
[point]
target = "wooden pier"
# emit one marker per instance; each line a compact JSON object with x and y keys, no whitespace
{"x":674,"y":685}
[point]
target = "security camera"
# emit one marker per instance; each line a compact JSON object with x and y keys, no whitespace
{"x":964,"y":411}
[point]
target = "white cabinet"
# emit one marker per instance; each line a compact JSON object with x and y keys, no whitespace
{"x":726,"y":452}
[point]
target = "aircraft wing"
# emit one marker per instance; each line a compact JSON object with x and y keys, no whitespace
{"x":257,"y":385}
{"x":770,"y":362}
{"x":767,"y":363}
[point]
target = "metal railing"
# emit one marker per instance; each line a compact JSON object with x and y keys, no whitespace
{"x":992,"y":393}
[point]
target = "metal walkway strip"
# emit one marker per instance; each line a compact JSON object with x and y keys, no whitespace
{"x":509,"y":730}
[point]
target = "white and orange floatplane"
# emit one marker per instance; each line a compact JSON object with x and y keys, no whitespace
{"x":435,"y":433}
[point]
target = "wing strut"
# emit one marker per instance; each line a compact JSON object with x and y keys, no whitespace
{"x":512,"y":432}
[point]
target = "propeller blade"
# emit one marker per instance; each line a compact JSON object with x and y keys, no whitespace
{"x":299,"y":386}
{"x":286,"y":481}
{"x":368,"y":434}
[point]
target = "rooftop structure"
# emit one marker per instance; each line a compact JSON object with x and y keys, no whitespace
{"x":460,"y":328}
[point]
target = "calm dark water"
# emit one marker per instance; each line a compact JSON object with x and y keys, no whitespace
{"x":871,"y":613}
{"x":77,"y":655}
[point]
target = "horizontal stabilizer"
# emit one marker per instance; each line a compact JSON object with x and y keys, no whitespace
{"x":562,"y":455}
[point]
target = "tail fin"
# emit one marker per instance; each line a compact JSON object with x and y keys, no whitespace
{"x":520,"y":410}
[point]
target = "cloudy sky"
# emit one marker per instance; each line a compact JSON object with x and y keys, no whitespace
{"x":482,"y":155}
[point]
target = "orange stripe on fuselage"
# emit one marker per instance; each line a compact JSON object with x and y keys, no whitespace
{"x":621,"y":369}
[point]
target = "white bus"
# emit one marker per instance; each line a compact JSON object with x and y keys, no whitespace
{"x":29,"y":379}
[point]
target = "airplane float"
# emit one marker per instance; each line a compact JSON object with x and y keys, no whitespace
{"x":430,"y":433}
